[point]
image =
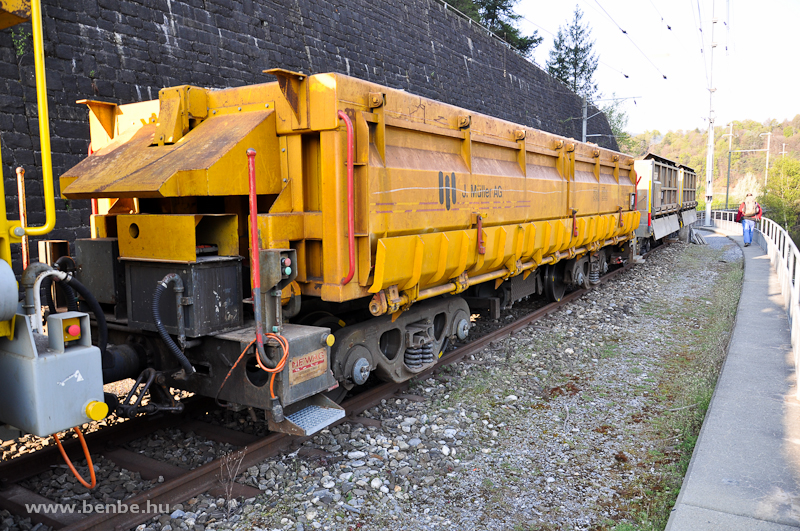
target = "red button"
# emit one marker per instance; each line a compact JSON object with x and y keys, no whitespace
{"x":74,"y":330}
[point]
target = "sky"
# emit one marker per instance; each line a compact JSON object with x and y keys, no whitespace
{"x":755,"y":71}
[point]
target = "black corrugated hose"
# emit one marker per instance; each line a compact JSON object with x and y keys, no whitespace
{"x":181,"y":357}
{"x":72,"y":302}
{"x":94,"y":306}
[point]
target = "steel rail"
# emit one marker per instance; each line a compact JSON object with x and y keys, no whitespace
{"x":35,"y":463}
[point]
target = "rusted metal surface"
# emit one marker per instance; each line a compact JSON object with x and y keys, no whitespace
{"x":413,"y":398}
{"x":236,"y":490}
{"x":15,"y":498}
{"x":194,"y":482}
{"x":290,"y":86}
{"x":219,"y":434}
{"x":147,"y":467}
{"x":479,"y":344}
{"x":364,"y":421}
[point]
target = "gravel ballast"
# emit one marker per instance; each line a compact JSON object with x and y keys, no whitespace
{"x":566,"y":425}
{"x":576,"y":422}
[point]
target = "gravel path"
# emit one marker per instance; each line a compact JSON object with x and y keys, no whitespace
{"x":558,"y":427}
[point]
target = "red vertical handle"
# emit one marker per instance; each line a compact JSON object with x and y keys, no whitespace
{"x":574,"y":223}
{"x":254,"y":244}
{"x":255,"y":253}
{"x":351,"y":215}
{"x":479,"y":227}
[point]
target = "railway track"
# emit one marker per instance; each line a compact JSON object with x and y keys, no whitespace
{"x":180,"y":484}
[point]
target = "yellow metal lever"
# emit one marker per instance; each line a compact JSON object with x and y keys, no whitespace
{"x":44,"y":126}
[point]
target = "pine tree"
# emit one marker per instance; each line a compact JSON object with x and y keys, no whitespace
{"x":618,"y":121}
{"x":467,"y":7}
{"x":499,"y":17}
{"x":572,"y":60}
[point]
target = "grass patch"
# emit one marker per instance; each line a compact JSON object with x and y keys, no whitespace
{"x":683,"y":388}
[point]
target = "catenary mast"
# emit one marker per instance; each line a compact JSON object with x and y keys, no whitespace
{"x":710,"y":152}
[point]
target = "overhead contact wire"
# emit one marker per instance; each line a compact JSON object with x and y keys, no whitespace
{"x":532,"y":23}
{"x":699,"y":26}
{"x":660,"y":15}
{"x":631,"y":39}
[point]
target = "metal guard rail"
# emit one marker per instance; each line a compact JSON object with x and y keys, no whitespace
{"x":784,"y":257}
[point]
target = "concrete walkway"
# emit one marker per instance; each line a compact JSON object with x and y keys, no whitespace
{"x":745,"y":471}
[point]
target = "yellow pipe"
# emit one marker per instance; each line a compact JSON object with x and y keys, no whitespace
{"x":44,"y":127}
{"x":5,"y":241}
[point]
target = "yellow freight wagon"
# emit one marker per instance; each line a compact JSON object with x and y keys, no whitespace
{"x":346,"y":196}
{"x":666,"y":192}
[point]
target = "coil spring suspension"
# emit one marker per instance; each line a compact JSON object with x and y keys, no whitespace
{"x":594,"y":276}
{"x":416,"y":357}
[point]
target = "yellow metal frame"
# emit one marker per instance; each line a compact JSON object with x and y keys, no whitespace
{"x":44,"y":124}
{"x":424,"y":173}
{"x":14,"y":12}
{"x":174,"y":237}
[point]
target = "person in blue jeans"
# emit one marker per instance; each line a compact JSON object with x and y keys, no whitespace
{"x":749,"y":213}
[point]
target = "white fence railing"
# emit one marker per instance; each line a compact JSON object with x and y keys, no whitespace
{"x":783,"y":256}
{"x":722,"y":219}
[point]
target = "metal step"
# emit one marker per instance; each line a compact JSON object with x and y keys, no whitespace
{"x":308,"y":416}
{"x":314,"y":418}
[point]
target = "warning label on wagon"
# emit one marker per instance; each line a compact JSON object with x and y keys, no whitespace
{"x":308,"y":366}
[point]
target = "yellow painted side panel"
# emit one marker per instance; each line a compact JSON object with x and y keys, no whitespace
{"x":209,"y":160}
{"x":159,"y":237}
{"x":7,"y":328}
{"x":175,"y":237}
{"x":443,"y":256}
{"x":276,"y":230}
{"x":13,"y":12}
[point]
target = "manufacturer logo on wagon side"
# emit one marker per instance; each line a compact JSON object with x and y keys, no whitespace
{"x":447,"y":189}
{"x":308,"y":366}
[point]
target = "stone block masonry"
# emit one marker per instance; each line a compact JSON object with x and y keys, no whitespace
{"x":126,"y":50}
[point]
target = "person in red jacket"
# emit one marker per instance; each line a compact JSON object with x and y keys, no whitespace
{"x":749,"y":213}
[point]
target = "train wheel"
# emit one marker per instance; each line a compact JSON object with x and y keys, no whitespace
{"x":554,"y":286}
{"x":338,"y":394}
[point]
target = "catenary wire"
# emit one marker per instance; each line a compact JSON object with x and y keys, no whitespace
{"x":699,"y":27}
{"x":631,"y":39}
{"x":660,"y":15}
{"x":532,"y":23}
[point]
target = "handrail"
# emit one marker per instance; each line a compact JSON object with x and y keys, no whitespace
{"x":723,"y":219}
{"x":784,"y":257}
{"x":351,"y":200}
{"x":44,"y":127}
